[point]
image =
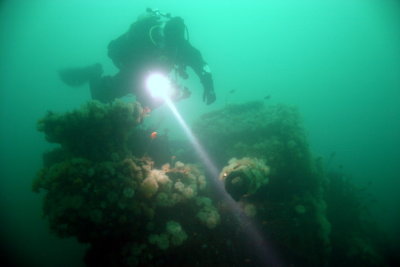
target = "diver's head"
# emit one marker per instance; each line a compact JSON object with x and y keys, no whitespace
{"x":174,"y":32}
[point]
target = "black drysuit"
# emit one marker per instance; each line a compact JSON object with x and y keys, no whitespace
{"x":139,"y":52}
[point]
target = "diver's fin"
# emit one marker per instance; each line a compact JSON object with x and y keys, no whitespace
{"x":78,"y":76}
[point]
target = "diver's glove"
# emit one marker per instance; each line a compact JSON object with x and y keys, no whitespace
{"x":208,"y":85}
{"x":209,"y":96}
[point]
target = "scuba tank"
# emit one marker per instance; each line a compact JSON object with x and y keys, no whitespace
{"x":156,"y":33}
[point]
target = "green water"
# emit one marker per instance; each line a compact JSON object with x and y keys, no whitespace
{"x":337,"y":61}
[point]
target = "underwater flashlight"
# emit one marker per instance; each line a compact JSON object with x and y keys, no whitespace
{"x":159,"y":85}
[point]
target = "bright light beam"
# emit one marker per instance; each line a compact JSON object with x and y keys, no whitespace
{"x":160,"y":87}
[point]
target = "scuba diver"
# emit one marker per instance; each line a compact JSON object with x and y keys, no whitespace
{"x":156,"y":42}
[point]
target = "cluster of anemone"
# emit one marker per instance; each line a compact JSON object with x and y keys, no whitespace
{"x":173,"y":235}
{"x":113,"y":195}
{"x":243,"y":177}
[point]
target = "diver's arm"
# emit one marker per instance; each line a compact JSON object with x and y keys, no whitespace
{"x":195,"y":61}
